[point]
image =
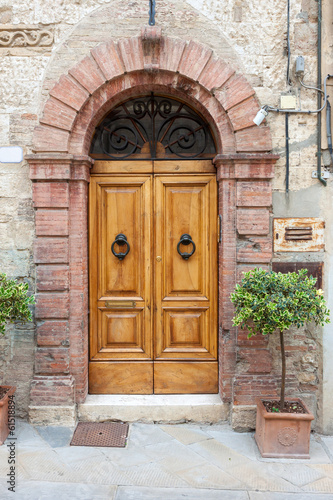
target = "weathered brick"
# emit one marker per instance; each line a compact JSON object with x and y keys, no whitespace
{"x":255,"y":360}
{"x":58,"y":114}
{"x":131,"y":52}
{"x":254,"y":139}
{"x":49,"y":171}
{"x":50,"y":139}
{"x":254,"y":194}
{"x":88,"y":74}
{"x":254,"y":341}
{"x":51,"y":251}
{"x":194,"y":59}
{"x":70,"y":92}
{"x":215,"y":74}
{"x":52,"y":360}
{"x":249,"y":387}
{"x":257,"y":250}
{"x":51,"y":222}
{"x":52,"y":277}
{"x":50,"y":194}
{"x":234,"y":91}
{"x":171,"y":53}
{"x":52,"y":305}
{"x":254,"y":170}
{"x":108,"y":59}
{"x":52,"y":333}
{"x":252,"y":221}
{"x":52,"y":390}
{"x":242,"y":115}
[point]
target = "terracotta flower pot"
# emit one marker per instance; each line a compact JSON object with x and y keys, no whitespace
{"x":283,"y":435}
{"x":4,"y":429}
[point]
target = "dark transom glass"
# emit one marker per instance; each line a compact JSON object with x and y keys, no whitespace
{"x":152,"y":127}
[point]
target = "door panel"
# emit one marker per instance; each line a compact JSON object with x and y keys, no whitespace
{"x":185,"y":290}
{"x":153,"y":314}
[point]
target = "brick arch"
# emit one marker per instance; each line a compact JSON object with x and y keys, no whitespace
{"x":59,"y":169}
{"x":131,"y":66}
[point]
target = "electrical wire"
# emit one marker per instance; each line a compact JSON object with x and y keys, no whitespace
{"x":288,"y":42}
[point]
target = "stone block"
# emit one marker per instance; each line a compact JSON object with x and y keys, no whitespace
{"x":243,"y":418}
{"x":53,"y":415}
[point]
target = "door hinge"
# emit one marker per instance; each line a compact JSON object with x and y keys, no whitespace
{"x":219,"y":228}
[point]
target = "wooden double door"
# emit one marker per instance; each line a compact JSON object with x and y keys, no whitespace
{"x":153,"y":280}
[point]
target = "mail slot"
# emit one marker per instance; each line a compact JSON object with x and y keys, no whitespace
{"x":120,"y":304}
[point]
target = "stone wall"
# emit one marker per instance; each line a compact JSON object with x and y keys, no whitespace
{"x":249,"y":35}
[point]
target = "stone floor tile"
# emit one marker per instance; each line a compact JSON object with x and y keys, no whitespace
{"x":127,"y":457}
{"x":297,"y":474}
{"x":146,"y":434}
{"x":185,"y":434}
{"x":328,"y":443}
{"x":153,"y":475}
{"x":56,"y":437}
{"x":267,"y":495}
{"x":37,"y":490}
{"x":100,"y":472}
{"x":178,"y":452}
{"x":210,"y":476}
{"x":241,"y":442}
{"x":137,"y":493}
{"x":72,"y":454}
{"x":325,"y":469}
{"x":256,"y":477}
{"x":324,"y":485}
{"x":218,"y":454}
{"x":28,"y":437}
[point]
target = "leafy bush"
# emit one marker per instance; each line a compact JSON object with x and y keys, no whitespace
{"x":267,"y":302}
{"x":14,"y":302}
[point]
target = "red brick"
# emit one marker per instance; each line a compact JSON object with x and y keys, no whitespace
{"x":131,"y":53}
{"x":257,"y":250}
{"x":242,"y":115}
{"x":254,"y":194}
{"x":234,"y":91}
{"x":50,"y":139}
{"x":49,"y":171}
{"x":254,"y":341}
{"x":52,"y":390}
{"x":52,"y":360}
{"x":52,"y":305}
{"x":52,"y":277}
{"x":252,"y":221}
{"x":215,"y":74}
{"x":194,"y":59}
{"x":50,"y":194}
{"x":254,"y":139}
{"x":249,"y":387}
{"x":254,"y":170}
{"x":52,"y":333}
{"x":51,"y":251}
{"x":108,"y":59}
{"x":151,"y":45}
{"x":257,"y":360}
{"x":171,"y":53}
{"x":51,"y":222}
{"x":88,"y":74}
{"x":58,"y":114}
{"x":70,"y":92}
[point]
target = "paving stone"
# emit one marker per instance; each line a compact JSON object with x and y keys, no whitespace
{"x":28,"y":437}
{"x":256,"y":477}
{"x":72,"y":454}
{"x":243,"y":442}
{"x":218,"y":454}
{"x":324,"y":485}
{"x":210,"y":476}
{"x":328,"y":442}
{"x":98,"y":471}
{"x":56,"y":437}
{"x":153,"y":474}
{"x":126,"y":457}
{"x":146,"y":434}
{"x":185,"y":434}
{"x":135,"y":493}
{"x":28,"y":490}
{"x":296,"y":474}
{"x":175,"y":454}
{"x":326,"y":469}
{"x":45,"y":466}
{"x":267,"y":495}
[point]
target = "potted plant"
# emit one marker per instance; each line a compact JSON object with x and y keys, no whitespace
{"x":267,"y":302}
{"x":14,"y":306}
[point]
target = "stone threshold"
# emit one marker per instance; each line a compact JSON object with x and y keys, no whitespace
{"x":197,"y":408}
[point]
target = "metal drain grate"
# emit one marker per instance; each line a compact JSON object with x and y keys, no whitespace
{"x":111,"y":434}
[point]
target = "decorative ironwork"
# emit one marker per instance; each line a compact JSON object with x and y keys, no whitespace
{"x":153,"y":127}
{"x":120,"y":240}
{"x":151,"y":12}
{"x":186,"y":240}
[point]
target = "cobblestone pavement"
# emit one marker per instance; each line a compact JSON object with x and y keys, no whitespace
{"x":171,"y":462}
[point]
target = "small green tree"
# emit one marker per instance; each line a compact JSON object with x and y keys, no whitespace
{"x":267,"y":302}
{"x":14,"y":302}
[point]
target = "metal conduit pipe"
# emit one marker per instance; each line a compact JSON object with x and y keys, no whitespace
{"x":319,"y":97}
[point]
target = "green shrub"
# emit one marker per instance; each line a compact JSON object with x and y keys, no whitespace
{"x":14,"y":302}
{"x":267,"y":302}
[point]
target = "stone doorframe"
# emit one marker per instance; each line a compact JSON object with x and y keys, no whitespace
{"x":59,"y":169}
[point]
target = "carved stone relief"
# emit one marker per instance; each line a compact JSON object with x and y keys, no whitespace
{"x":24,"y":36}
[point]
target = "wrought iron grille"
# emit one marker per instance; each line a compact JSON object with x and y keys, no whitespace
{"x":152,"y":127}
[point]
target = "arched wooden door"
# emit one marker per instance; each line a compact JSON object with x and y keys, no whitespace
{"x":153,"y":268}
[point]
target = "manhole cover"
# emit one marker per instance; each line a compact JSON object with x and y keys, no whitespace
{"x":112,"y":434}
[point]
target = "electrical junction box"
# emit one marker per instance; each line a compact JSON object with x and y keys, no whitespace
{"x":299,"y":235}
{"x":288,"y":101}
